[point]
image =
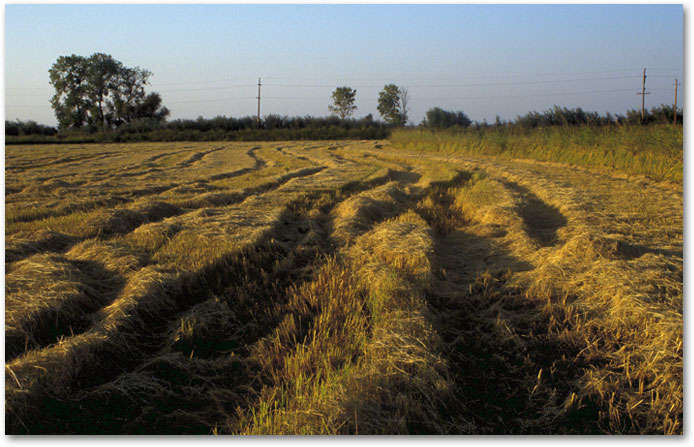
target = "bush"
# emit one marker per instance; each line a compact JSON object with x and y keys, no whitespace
{"x":438,"y":118}
{"x":22,"y":128}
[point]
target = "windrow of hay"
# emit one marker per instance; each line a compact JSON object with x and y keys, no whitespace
{"x":22,"y":211}
{"x":114,"y":257}
{"x":20,"y":246}
{"x":630,"y":322}
{"x":217,"y":199}
{"x":402,"y":384}
{"x":356,"y":214}
{"x":100,"y":223}
{"x":69,"y":291}
{"x":497,"y":212}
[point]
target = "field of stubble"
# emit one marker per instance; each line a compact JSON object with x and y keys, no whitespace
{"x":336,"y":288}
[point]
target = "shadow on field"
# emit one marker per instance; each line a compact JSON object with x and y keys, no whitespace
{"x":628,"y":251}
{"x":540,"y":219}
{"x":512,"y":373}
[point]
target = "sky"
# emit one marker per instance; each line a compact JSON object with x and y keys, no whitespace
{"x":485,"y":60}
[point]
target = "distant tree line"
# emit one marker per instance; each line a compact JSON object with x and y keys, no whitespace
{"x":561,"y":116}
{"x":437,"y":118}
{"x":271,"y":127}
{"x":21,"y":128}
{"x":278,"y":127}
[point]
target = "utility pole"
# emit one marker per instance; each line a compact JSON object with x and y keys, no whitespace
{"x":674,"y":121}
{"x":259,"y":84}
{"x":643,"y":98}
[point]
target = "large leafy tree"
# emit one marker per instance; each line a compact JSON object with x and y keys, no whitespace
{"x":343,"y":102}
{"x":392,"y":104}
{"x":99,"y":92}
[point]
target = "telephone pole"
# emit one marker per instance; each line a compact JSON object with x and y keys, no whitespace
{"x":259,"y":84}
{"x":674,"y":121}
{"x":643,"y":98}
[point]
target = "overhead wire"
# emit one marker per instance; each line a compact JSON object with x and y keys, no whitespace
{"x":431,"y":83}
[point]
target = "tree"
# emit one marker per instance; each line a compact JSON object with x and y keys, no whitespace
{"x":68,"y":76}
{"x":391,"y":105}
{"x":343,"y":102}
{"x":149,"y":107}
{"x":128,"y":98}
{"x":439,"y":118}
{"x":404,"y":104}
{"x":99,"y":92}
{"x":102,"y":78}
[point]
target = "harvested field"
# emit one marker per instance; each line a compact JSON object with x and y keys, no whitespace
{"x":336,"y":288}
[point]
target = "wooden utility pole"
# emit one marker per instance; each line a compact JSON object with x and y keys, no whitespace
{"x":259,"y":84}
{"x":674,"y":121}
{"x":643,"y":98}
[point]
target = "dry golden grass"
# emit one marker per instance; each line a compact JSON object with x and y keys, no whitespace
{"x":336,"y":288}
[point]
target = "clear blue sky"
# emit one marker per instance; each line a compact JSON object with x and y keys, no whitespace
{"x":486,"y":60}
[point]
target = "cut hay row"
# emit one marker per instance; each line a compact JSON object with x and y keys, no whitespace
{"x":70,"y":292}
{"x":358,"y":213}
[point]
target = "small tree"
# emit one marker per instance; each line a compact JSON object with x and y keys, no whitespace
{"x":392,"y":104}
{"x":343,"y":102}
{"x":404,"y":104}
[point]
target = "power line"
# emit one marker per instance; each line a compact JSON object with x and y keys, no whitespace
{"x":483,"y":84}
{"x":377,"y":83}
{"x":24,"y":96}
{"x":464,"y":98}
{"x":208,"y":88}
{"x":418,"y":98}
{"x":238,"y":98}
{"x":514,"y":76}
